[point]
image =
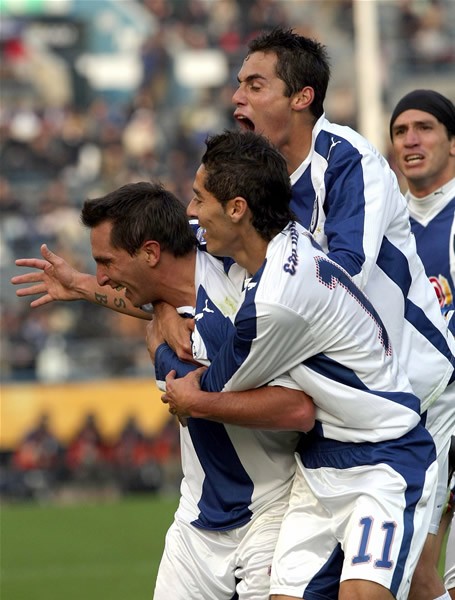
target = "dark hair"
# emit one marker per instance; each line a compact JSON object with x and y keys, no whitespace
{"x":243,"y":163}
{"x":301,"y":62}
{"x":140,"y":212}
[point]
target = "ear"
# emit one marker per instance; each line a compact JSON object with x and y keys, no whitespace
{"x":303,"y":98}
{"x":152,"y":251}
{"x":236,"y":209}
{"x":452,"y":146}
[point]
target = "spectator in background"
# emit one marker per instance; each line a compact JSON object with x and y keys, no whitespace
{"x":136,"y":469}
{"x":422,"y":130}
{"x":87,"y":453}
{"x":38,"y":460}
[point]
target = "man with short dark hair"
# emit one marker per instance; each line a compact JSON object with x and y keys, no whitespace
{"x":363,"y":486}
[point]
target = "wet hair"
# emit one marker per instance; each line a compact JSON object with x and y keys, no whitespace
{"x":243,"y":163}
{"x":301,"y":62}
{"x":140,"y":212}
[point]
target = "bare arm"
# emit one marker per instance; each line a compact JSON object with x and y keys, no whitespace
{"x":55,"y":280}
{"x":269,"y":407}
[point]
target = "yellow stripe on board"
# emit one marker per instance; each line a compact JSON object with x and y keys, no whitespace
{"x":111,"y":401}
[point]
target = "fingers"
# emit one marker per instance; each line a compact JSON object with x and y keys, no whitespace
{"x":27,"y":278}
{"x":30,"y":291}
{"x":170,"y":377}
{"x":34,"y":263}
{"x":41,"y":301}
{"x":189,"y":324}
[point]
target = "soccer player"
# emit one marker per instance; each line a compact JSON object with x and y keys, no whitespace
{"x":237,"y":476}
{"x":363,"y":488}
{"x":422,"y":130}
{"x":345,"y":193}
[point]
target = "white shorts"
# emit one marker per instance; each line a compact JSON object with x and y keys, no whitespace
{"x":200,"y":564}
{"x":440,"y":422}
{"x":351,"y":523}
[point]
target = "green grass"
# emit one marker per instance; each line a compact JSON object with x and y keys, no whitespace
{"x":107,"y":551}
{"x":83,"y":552}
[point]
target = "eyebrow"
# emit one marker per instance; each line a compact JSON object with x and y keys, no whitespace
{"x":417,"y":122}
{"x":102,"y":260}
{"x":251,"y":77}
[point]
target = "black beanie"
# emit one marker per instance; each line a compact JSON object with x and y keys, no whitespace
{"x":428,"y":101}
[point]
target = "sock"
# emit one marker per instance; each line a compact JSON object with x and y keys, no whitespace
{"x":443,"y":597}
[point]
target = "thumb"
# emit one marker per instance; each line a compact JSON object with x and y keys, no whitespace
{"x":46,"y":253}
{"x":199,"y":372}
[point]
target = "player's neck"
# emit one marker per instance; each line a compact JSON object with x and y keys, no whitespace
{"x":297,"y":147}
{"x":250,"y":252}
{"x":422,"y":188}
{"x":177,"y":281}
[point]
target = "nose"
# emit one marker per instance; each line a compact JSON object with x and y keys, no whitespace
{"x":190,"y":209}
{"x":238,"y":96}
{"x":411,"y":137}
{"x":101,"y":277}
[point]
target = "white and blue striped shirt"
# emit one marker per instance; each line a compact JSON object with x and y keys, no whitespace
{"x":230,"y":472}
{"x":346,"y":194}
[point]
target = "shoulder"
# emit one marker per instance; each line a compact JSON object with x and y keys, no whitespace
{"x":340,"y":142}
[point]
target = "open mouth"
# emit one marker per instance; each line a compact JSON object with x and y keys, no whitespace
{"x":244,"y":122}
{"x":413,"y":158}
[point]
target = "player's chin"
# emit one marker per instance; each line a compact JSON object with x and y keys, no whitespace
{"x":214,"y":249}
{"x":134,"y":301}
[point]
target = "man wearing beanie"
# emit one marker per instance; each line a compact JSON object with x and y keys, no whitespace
{"x":422,"y":130}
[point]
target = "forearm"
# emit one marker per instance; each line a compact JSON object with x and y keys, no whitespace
{"x":270,"y":408}
{"x":88,"y":289}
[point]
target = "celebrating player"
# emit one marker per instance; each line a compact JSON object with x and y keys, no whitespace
{"x":237,"y":480}
{"x":363,"y":487}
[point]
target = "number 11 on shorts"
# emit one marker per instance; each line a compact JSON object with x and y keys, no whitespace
{"x":362,"y":556}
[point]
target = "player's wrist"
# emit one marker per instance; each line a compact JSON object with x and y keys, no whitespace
{"x":85,"y":287}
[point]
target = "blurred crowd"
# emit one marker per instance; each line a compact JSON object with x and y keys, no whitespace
{"x":41,"y":467}
{"x":56,"y":153}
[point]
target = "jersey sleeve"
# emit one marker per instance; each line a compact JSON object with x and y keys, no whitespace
{"x":359,"y":208}
{"x":266,"y":343}
{"x":166,"y":360}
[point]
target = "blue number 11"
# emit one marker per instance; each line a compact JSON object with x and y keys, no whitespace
{"x":363,"y":557}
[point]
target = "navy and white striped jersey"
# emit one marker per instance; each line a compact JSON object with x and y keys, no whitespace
{"x":433,"y":225}
{"x":303,"y":314}
{"x":230,"y":472}
{"x":347,"y":195}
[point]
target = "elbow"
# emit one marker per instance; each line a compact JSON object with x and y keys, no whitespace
{"x":306,"y":416}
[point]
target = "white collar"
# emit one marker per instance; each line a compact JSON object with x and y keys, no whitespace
{"x":426,"y":208}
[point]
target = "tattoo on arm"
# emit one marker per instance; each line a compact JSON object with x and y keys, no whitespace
{"x":119,"y":303}
{"x":100,"y":298}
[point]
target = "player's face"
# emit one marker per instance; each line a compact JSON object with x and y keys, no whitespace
{"x":117,"y":268}
{"x":424,"y":154}
{"x":212,"y":216}
{"x":261,"y":105}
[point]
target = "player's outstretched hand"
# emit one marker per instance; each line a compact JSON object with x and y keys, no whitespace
{"x":54,"y":279}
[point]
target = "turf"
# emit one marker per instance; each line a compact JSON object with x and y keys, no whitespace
{"x":108,"y":551}
{"x":102,"y":551}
